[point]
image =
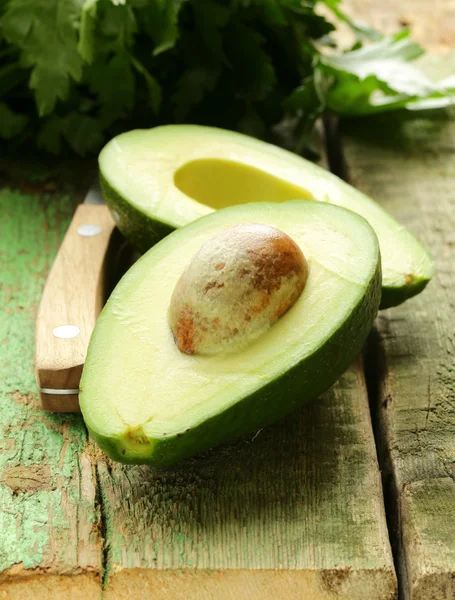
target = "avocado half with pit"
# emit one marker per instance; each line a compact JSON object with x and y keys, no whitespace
{"x":157,"y":180}
{"x":144,"y":400}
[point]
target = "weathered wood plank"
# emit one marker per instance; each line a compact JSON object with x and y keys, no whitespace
{"x":49,"y":519}
{"x":408,"y":166}
{"x":294,"y":511}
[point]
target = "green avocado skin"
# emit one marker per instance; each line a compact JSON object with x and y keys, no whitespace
{"x":139,"y":229}
{"x":301,"y":384}
{"x":393,"y":296}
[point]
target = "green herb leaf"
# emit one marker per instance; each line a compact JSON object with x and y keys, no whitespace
{"x":83,"y":133}
{"x":253,"y":69}
{"x":11,"y":123}
{"x":152,"y":84}
{"x":50,"y":134}
{"x":79,"y":71}
{"x":376,"y":77}
{"x":11,"y":76}
{"x":45,"y":33}
{"x":210,"y":18}
{"x":159,"y":20}
{"x":113,"y":83}
{"x":86,"y":45}
{"x":191,"y":89}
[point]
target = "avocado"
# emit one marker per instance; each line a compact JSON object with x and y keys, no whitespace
{"x":145,"y":400}
{"x":159,"y":179}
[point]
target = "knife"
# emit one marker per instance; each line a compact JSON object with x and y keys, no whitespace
{"x":73,"y":296}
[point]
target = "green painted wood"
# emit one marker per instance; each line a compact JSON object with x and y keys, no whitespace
{"x":409,"y":166}
{"x":295,"y":511}
{"x":49,"y":518}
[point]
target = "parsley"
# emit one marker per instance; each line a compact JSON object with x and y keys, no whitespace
{"x":73,"y":73}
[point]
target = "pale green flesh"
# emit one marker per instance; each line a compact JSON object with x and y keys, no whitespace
{"x":175,"y":174}
{"x":135,"y":379}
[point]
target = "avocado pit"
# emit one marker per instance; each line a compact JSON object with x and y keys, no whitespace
{"x":236,"y":287}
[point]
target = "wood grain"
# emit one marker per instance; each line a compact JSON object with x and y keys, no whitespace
{"x":408,"y":166}
{"x":293,"y":511}
{"x":50,"y":545}
{"x":74,"y":295}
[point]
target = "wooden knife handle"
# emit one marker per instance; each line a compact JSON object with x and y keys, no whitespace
{"x":71,"y":302}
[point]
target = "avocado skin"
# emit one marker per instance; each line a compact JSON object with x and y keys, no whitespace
{"x":268,"y":404}
{"x":393,"y":296}
{"x":138,"y":228}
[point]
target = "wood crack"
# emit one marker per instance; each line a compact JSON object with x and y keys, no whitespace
{"x":102,"y":506}
{"x":429,"y":400}
{"x":375,"y":368}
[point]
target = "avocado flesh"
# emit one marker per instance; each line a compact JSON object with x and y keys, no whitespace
{"x":159,"y":179}
{"x":146,"y":402}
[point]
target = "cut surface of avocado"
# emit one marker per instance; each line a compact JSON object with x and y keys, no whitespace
{"x":159,"y":179}
{"x":145,"y":401}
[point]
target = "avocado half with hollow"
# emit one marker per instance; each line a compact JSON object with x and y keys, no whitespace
{"x":144,"y":400}
{"x":157,"y":180}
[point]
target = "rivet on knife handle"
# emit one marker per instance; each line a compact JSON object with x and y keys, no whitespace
{"x":71,"y":302}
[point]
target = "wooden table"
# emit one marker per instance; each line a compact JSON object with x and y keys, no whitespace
{"x":295,"y":511}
